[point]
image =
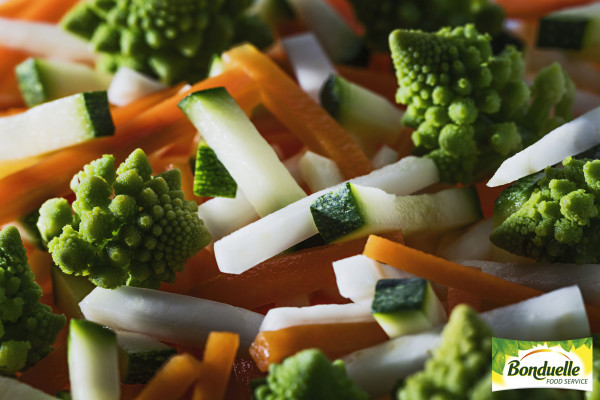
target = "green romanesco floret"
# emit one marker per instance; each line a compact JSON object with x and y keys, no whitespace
{"x":126,"y":227}
{"x":27,"y":328}
{"x":380,"y":18}
{"x":308,"y":375}
{"x":461,"y":366}
{"x":173,"y":40}
{"x":554,"y":215}
{"x":472,"y":109}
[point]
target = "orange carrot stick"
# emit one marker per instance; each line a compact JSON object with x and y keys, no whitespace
{"x":27,"y":189}
{"x":14,"y":8}
{"x":173,"y":379}
{"x":219,"y":355}
{"x":335,"y":340}
{"x":51,"y":373}
{"x":302,"y":116}
{"x":121,"y":115}
{"x":446,"y":272}
{"x":282,"y":276}
{"x":199,"y":268}
{"x":436,"y":269}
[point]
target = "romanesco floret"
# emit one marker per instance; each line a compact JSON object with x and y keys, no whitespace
{"x":126,"y":227}
{"x":27,"y":328}
{"x":308,"y":375}
{"x":380,"y":18}
{"x":554,"y":215}
{"x":173,"y":40}
{"x":472,"y":109}
{"x":461,"y":367}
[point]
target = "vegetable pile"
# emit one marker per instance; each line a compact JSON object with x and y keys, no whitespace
{"x":289,"y":199}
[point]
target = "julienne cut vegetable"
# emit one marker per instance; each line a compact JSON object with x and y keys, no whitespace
{"x":247,"y":235}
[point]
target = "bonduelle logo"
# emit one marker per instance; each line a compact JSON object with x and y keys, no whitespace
{"x":519,"y":364}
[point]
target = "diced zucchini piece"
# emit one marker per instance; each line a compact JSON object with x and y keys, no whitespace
{"x":575,"y":28}
{"x":370,"y":118}
{"x":403,"y":306}
{"x":247,"y":156}
{"x":13,"y":389}
{"x":319,"y":172}
{"x":42,"y":80}
{"x":338,"y":39}
{"x":54,"y":125}
{"x":217,"y":66}
{"x":129,"y":85}
{"x":69,"y":290}
{"x":211,"y":178}
{"x":140,"y":356}
{"x":353,"y":211}
{"x":93,"y":361}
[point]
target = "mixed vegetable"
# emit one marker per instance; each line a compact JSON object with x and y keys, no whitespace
{"x":287,"y":199}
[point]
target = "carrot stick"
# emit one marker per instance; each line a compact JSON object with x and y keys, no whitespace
{"x":219,"y":355}
{"x":282,"y":276}
{"x":457,"y":296}
{"x":345,"y":10}
{"x":51,"y":373}
{"x":335,"y":340}
{"x":436,"y":269}
{"x":121,"y":115}
{"x":27,"y":189}
{"x":173,"y":379}
{"x":13,"y":8}
{"x":296,"y":110}
{"x":487,"y":197}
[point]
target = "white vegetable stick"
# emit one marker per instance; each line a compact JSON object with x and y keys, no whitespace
{"x":13,"y":389}
{"x":473,"y":244}
{"x":546,"y":277}
{"x":384,"y":156}
{"x":569,"y":139}
{"x":128,"y":85}
{"x":319,"y":172}
{"x":43,"y":39}
{"x":357,"y":276}
{"x":557,"y":315}
{"x":167,"y":316}
{"x":284,"y":228}
{"x":311,"y":65}
{"x":285,"y":317}
{"x":223,"y":215}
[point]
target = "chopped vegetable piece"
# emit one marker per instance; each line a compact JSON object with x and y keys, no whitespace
{"x":173,"y":379}
{"x":28,"y":328}
{"x":171,"y":317}
{"x":308,"y":375}
{"x":554,"y":215}
{"x":404,"y":306}
{"x":42,"y":80}
{"x":55,"y":125}
{"x":246,"y":155}
{"x":335,"y":340}
{"x":473,"y":115}
{"x":211,"y":178}
{"x":219,"y":356}
{"x":173,"y":41}
{"x":299,"y":112}
{"x":139,"y":237}
{"x":93,"y":361}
